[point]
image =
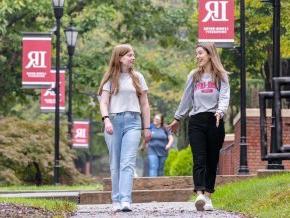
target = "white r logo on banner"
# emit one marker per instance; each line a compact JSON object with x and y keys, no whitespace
{"x":36,"y":59}
{"x":81,"y":133}
{"x":49,"y":92}
{"x":216,"y":14}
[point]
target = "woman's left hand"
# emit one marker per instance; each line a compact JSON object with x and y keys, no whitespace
{"x":147,"y":135}
{"x":167,"y":147}
{"x":218,"y":116}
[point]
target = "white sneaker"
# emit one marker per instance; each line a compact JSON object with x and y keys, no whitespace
{"x":126,"y":207}
{"x":208,"y":204}
{"x":116,"y":206}
{"x":200,"y":202}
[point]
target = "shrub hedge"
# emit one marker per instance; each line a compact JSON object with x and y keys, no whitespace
{"x":179,"y":163}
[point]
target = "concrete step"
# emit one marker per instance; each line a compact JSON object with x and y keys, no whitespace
{"x":172,"y":182}
{"x":152,"y":183}
{"x":139,"y":196}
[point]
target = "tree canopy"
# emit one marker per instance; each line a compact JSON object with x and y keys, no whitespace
{"x":27,"y":154}
{"x":163,"y":35}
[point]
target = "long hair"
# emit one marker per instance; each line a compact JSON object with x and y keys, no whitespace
{"x":113,"y":73}
{"x":219,"y":73}
{"x":161,"y":119}
{"x":162,"y":124}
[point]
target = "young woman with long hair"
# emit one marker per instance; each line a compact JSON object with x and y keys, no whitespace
{"x":123,"y":94}
{"x":205,"y":99}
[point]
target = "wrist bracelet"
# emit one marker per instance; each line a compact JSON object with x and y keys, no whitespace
{"x":146,"y":128}
{"x":176,"y":119}
{"x":104,"y":117}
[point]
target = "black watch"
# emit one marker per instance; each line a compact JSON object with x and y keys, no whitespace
{"x":104,"y":117}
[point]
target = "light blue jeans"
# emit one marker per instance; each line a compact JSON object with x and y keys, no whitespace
{"x":123,"y":146}
{"x":156,"y":165}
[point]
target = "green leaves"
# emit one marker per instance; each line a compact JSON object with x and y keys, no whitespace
{"x":179,"y":163}
{"x":25,"y":145}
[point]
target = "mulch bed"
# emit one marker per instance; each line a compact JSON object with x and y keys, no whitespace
{"x":15,"y":211}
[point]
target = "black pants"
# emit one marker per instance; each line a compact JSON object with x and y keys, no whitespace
{"x":206,"y":141}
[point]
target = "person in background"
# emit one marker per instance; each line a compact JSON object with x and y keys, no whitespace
{"x":158,"y":146}
{"x":206,"y":99}
{"x":124,"y":98}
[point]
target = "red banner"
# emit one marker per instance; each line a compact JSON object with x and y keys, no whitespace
{"x":81,"y":130}
{"x":36,"y":60}
{"x":47,"y":99}
{"x":216,"y":21}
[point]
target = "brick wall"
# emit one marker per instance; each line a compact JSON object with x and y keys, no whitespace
{"x":226,"y":156}
{"x":230,"y":153}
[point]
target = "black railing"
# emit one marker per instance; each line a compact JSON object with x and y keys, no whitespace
{"x":281,"y":152}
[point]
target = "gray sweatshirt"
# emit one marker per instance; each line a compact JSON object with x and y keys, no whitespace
{"x":203,"y":96}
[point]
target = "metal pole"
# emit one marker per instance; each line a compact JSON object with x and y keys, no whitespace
{"x":275,"y":164}
{"x":279,"y":81}
{"x":70,"y":121}
{"x":276,"y":39}
{"x":278,"y":129}
{"x":71,"y":35}
{"x":243,"y":169}
{"x":263,"y":124}
{"x":56,"y":129}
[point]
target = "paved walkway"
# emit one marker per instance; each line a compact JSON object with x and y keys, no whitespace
{"x":154,"y":209}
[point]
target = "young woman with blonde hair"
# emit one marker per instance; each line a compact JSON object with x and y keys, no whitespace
{"x":206,"y":99}
{"x":123,"y":94}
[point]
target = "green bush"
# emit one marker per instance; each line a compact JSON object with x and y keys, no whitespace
{"x":179,"y":163}
{"x":169,"y":160}
{"x":27,"y":154}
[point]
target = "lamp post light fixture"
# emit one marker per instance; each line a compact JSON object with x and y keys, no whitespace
{"x":58,"y":8}
{"x":275,"y":133}
{"x":58,"y":12}
{"x":71,"y":34}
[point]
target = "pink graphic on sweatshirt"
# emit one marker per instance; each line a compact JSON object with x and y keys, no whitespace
{"x":205,"y":87}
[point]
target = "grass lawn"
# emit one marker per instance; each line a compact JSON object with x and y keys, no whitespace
{"x":258,"y":197}
{"x":23,"y":188}
{"x":57,"y":207}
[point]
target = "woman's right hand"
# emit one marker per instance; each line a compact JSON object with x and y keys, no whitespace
{"x":108,"y":126}
{"x":173,"y":127}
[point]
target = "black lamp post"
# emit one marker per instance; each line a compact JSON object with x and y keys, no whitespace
{"x":274,"y":148}
{"x":58,"y":12}
{"x":71,"y":38}
{"x":243,"y":169}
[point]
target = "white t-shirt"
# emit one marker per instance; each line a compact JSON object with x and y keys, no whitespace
{"x":127,"y":98}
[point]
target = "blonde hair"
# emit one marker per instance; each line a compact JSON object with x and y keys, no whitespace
{"x":219,"y":73}
{"x":113,"y":73}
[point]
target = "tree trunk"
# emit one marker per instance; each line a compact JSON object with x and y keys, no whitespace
{"x":38,"y":175}
{"x":88,"y":168}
